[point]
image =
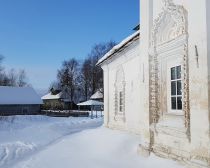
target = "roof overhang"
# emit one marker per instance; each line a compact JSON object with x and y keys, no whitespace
{"x":119,"y":47}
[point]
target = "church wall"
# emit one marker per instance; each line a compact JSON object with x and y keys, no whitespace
{"x":208,"y":50}
{"x":199,"y":72}
{"x":128,"y":60}
{"x":172,"y":141}
{"x":199,"y":102}
{"x":146,"y":26}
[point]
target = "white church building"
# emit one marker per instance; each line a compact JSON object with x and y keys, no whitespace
{"x":157,"y":81}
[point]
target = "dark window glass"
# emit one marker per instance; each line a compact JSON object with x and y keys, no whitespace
{"x":179,"y":87}
{"x":176,"y":88}
{"x":178,"y":72}
{"x":179,"y":103}
{"x":173,"y":73}
{"x":121,"y":101}
{"x":120,"y":98}
{"x":173,"y":88}
{"x":173,"y":103}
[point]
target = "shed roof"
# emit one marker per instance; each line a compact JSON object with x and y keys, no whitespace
{"x":91,"y":103}
{"x":119,"y":47}
{"x":97,"y":95}
{"x":18,"y":95}
{"x":51,"y":96}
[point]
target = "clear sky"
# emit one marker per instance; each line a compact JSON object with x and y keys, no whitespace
{"x":37,"y":35}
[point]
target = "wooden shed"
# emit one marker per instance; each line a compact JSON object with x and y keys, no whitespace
{"x":19,"y":100}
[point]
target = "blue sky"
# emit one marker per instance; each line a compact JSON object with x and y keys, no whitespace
{"x":37,"y":35}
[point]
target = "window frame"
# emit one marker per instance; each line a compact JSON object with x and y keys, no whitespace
{"x":170,"y":110}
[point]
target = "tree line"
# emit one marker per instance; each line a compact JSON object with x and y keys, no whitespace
{"x":12,"y":77}
{"x":81,"y":79}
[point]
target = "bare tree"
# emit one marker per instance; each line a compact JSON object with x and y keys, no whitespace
{"x":86,"y":77}
{"x":92,"y":74}
{"x":1,"y":70}
{"x":21,"y":79}
{"x":55,"y":85}
{"x":12,"y":76}
{"x":1,"y":59}
{"x":68,"y":76}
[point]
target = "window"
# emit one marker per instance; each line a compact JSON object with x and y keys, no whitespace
{"x":176,"y":88}
{"x":121,"y":101}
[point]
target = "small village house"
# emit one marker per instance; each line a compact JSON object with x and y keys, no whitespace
{"x":19,"y":100}
{"x":57,"y":100}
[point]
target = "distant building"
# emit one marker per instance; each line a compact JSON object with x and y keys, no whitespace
{"x":97,"y":96}
{"x":57,"y":100}
{"x":19,"y":100}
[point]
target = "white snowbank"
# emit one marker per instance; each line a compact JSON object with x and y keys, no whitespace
{"x":96,"y":148}
{"x":23,"y":136}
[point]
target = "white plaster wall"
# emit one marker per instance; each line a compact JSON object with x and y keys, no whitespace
{"x":135,"y":61}
{"x":208,"y":25}
{"x":106,"y":95}
{"x":146,"y":26}
{"x":199,"y":97}
{"x":208,"y":45}
{"x":129,"y":59}
{"x":199,"y":35}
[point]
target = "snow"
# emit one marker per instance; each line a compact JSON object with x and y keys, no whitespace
{"x":91,"y":103}
{"x":22,"y":136}
{"x":18,"y":95}
{"x":44,"y":142}
{"x":117,"y":47}
{"x":97,"y":95}
{"x":50,"y":96}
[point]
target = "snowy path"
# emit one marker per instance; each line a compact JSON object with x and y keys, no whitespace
{"x":96,"y":148}
{"x":24,"y":136}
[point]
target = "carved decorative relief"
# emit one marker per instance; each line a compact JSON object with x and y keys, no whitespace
{"x":185,"y":87}
{"x":119,"y":88}
{"x":170,"y":24}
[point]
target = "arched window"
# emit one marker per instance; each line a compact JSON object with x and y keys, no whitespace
{"x":120,"y":94}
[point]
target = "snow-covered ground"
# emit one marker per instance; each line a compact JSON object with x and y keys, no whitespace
{"x":23,"y":136}
{"x":44,"y":142}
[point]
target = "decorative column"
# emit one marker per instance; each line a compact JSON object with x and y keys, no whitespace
{"x":146,"y":12}
{"x":106,"y":95}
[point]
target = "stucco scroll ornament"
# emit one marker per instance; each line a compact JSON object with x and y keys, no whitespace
{"x":170,"y":24}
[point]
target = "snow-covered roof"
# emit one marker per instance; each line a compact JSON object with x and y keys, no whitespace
{"x":97,"y":95}
{"x":60,"y":95}
{"x":91,"y":103}
{"x":50,"y":96}
{"x":18,"y":95}
{"x":118,"y":47}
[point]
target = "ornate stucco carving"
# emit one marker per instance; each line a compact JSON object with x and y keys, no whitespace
{"x":185,"y":87}
{"x":170,"y":24}
{"x":119,"y":87}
